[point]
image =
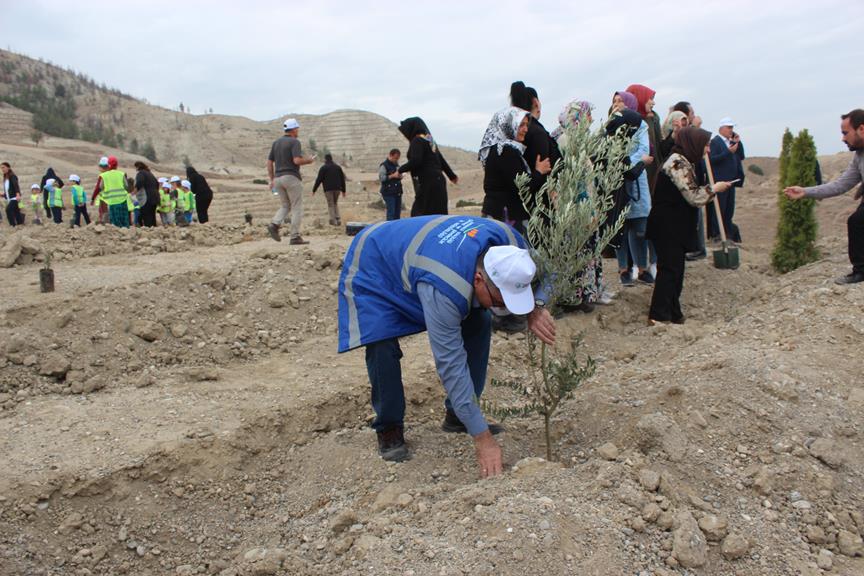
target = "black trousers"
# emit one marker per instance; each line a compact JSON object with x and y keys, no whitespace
{"x":13,"y":213}
{"x":666,"y":299}
{"x":57,"y":213}
{"x":148,"y":215}
{"x":202,"y":205}
{"x":855,"y":226}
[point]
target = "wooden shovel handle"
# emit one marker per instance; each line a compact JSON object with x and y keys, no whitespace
{"x":716,"y":202}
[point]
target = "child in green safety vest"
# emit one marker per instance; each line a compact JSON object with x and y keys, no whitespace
{"x":36,"y":203}
{"x":179,"y":200}
{"x":55,"y":200}
{"x":79,"y":201}
{"x":188,"y":200}
{"x":166,"y":205}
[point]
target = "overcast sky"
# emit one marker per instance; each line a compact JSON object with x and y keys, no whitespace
{"x":768,"y":64}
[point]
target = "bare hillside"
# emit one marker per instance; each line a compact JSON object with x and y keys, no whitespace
{"x":214,"y":142}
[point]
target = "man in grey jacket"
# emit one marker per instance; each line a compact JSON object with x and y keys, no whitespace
{"x":852,"y":128}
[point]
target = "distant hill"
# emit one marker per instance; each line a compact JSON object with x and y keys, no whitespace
{"x":68,"y":104}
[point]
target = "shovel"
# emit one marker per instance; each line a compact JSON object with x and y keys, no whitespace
{"x":727,"y":257}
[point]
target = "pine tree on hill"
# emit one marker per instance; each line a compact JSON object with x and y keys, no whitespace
{"x":796,"y":231}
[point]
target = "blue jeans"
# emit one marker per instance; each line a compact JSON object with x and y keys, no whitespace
{"x":385,"y":369}
{"x":634,"y":233}
{"x":394,"y":206}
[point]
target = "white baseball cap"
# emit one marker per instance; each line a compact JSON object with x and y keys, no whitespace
{"x":290,"y":124}
{"x":103,"y":161}
{"x":175,"y":179}
{"x":186,"y":184}
{"x":35,"y":187}
{"x":727,"y":121}
{"x":511,"y":269}
{"x":50,"y":182}
{"x":166,"y":185}
{"x":75,"y":178}
{"x":163,"y":179}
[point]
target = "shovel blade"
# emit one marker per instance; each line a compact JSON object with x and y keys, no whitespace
{"x":727,"y":259}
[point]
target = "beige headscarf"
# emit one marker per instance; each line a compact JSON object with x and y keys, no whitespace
{"x":667,"y":125}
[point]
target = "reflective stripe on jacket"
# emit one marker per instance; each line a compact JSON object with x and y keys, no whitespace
{"x":377,"y":288}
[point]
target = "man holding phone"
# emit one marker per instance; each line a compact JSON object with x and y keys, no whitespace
{"x":283,"y":168}
{"x":727,"y":162}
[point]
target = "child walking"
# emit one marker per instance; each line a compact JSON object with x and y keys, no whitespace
{"x":79,"y":201}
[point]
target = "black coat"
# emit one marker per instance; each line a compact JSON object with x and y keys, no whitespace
{"x":672,"y":219}
{"x":499,"y":186}
{"x":145,"y":180}
{"x":14,"y":188}
{"x":331,"y":176}
{"x":425,"y":165}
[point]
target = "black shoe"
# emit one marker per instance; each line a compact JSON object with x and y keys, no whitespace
{"x":851,"y":278}
{"x":692,"y":256}
{"x":297,"y":241}
{"x":584,"y":306}
{"x":391,"y":445}
{"x":626,"y":279}
{"x":453,"y":424}
{"x":678,"y":320}
{"x":509,"y":324}
{"x":645,"y":277}
{"x":273,"y":229}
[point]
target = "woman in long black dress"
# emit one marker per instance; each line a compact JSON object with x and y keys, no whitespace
{"x":203,"y":194}
{"x":425,"y":163}
{"x":672,"y":222}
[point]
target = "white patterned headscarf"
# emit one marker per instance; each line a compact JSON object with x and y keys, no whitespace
{"x":502,"y":131}
{"x":571,"y":115}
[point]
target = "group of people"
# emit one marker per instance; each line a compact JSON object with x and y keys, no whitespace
{"x":119,"y":200}
{"x":448,"y":275}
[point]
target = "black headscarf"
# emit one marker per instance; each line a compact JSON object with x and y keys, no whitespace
{"x":198,"y":182}
{"x":629,"y":118}
{"x":690,"y":142}
{"x":411,"y":127}
{"x":51,"y":174}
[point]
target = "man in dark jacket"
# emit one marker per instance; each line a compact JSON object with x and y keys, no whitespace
{"x":333,"y":179}
{"x":727,"y":156}
{"x":147,"y":188}
{"x":391,"y":184}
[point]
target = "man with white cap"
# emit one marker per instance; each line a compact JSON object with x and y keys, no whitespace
{"x":283,"y":168}
{"x":442,"y":275}
{"x":727,"y":157}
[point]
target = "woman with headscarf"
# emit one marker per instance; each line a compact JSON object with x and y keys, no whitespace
{"x":12,"y":195}
{"x":501,"y":156}
{"x":425,"y":163}
{"x":674,"y":122}
{"x":203,"y":194}
{"x":637,"y":197}
{"x":672,"y":224}
{"x":623,"y":100}
{"x":590,"y":280}
{"x":147,"y":192}
{"x":645,"y":108}
{"x":49,"y":174}
{"x":541,"y":151}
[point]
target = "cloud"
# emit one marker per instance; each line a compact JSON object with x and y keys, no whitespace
{"x":768,"y":64}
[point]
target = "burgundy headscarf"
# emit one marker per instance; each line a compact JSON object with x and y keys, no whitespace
{"x":642,"y":94}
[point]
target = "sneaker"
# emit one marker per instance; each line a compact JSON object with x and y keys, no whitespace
{"x":391,"y":445}
{"x":645,"y":277}
{"x":454,"y":425}
{"x":693,"y":256}
{"x":298,"y":240}
{"x":273,"y":229}
{"x":851,"y":278}
{"x":626,"y":279}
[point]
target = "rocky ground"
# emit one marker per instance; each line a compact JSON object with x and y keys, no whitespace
{"x":177,"y":407}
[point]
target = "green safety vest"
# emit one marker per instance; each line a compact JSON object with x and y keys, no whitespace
{"x":79,"y":197}
{"x":36,"y":201}
{"x":166,"y":204}
{"x":113,"y":188}
{"x":189,"y":199}
{"x":55,"y":196}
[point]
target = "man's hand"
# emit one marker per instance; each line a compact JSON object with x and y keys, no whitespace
{"x":343,"y":193}
{"x":455,"y":180}
{"x":647,"y":160}
{"x":794,"y":192}
{"x":488,"y":454}
{"x":733,"y":147}
{"x":272,"y":183}
{"x":541,"y":323}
